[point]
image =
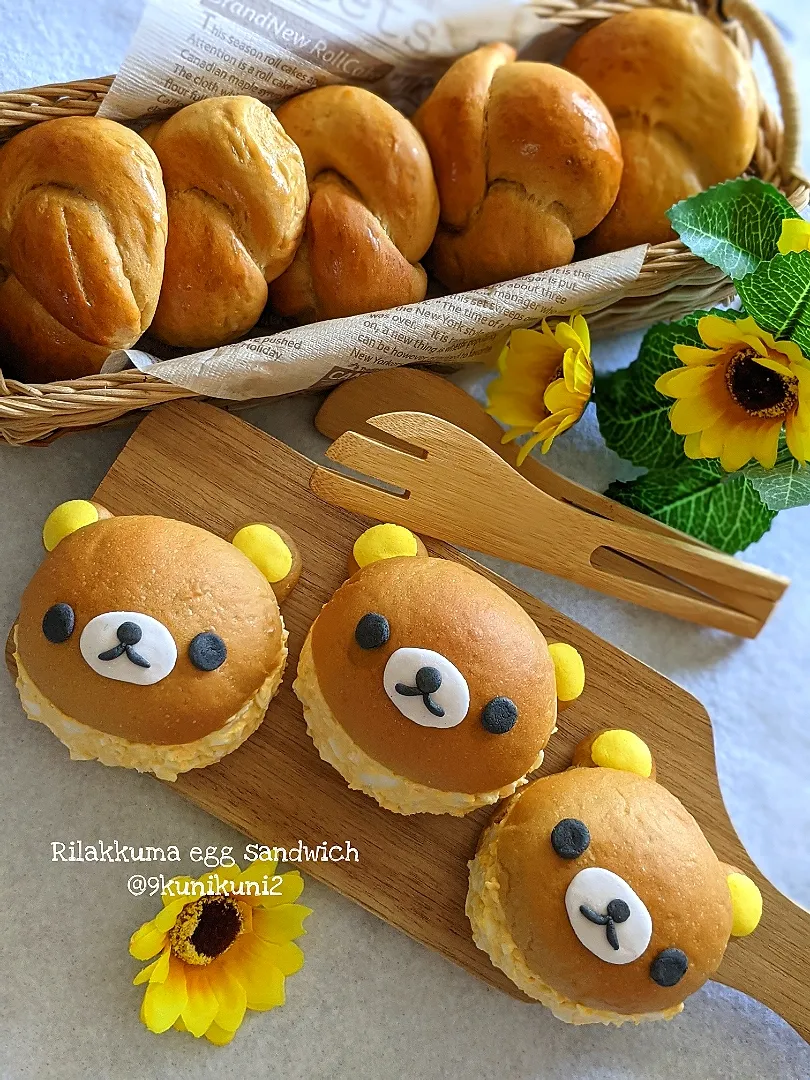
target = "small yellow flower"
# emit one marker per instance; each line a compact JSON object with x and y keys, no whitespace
{"x":226,"y":945}
{"x":795,"y":236}
{"x":735,"y":396}
{"x":545,"y":382}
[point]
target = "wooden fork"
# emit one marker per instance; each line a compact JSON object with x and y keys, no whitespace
{"x":456,"y":489}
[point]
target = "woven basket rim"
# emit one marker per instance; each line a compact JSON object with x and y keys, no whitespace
{"x":670,"y":271}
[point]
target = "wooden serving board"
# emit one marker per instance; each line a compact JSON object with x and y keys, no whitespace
{"x":200,"y":464}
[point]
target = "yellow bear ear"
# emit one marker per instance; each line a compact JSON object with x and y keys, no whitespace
{"x":615,"y":748}
{"x":383,"y":542}
{"x":569,"y":671}
{"x":68,"y":518}
{"x":273,"y":553}
{"x":746,"y":904}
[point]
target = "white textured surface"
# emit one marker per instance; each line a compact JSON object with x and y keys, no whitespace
{"x":370,"y":1003}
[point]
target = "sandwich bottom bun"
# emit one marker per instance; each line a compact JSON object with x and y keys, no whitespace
{"x":165,"y":762}
{"x":427,"y":687}
{"x":598,"y":895}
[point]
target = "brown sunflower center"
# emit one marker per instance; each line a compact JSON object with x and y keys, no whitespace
{"x":206,"y":929}
{"x":757,"y":389}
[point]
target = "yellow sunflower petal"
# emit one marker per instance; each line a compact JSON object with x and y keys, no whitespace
{"x":230,"y":995}
{"x":156,"y":971}
{"x":176,"y":890}
{"x":766,"y":445}
{"x":567,"y":337}
{"x":513,"y":409}
{"x":515,"y":433}
{"x":558,"y":397}
{"x":287,"y":892}
{"x":773,"y":364}
{"x":527,"y":448}
{"x":147,"y":941}
{"x":280,"y":924}
{"x":287,"y":956}
{"x":163,"y":1002}
{"x":583,"y":332}
{"x":165,"y":919}
{"x":257,"y":870}
{"x":219,"y":1036}
{"x":691,"y":446}
{"x":795,"y":236}
{"x":583,"y":376}
{"x":201,"y":1005}
{"x":711,"y":439}
{"x":719,"y":333}
{"x":251,"y":962}
{"x":692,"y":354}
{"x":684,"y":381}
{"x":798,"y":441}
{"x":692,"y":414}
{"x":738,"y":447}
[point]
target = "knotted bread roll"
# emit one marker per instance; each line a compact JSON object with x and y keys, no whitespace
{"x":373,"y":206}
{"x":527,"y":160}
{"x":237,"y":198}
{"x":686,"y":107}
{"x":82,"y":235}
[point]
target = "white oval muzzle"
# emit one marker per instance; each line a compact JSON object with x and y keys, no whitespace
{"x":128,"y":646}
{"x":426,"y":687}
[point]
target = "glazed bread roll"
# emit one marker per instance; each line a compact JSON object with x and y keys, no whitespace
{"x":597,"y":893}
{"x":237,"y":198}
{"x":686,"y":108}
{"x":82,"y":236}
{"x":373,"y":206}
{"x":149,"y":643}
{"x":427,"y":687}
{"x":527,"y":160}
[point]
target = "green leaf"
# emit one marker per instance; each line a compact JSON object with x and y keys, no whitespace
{"x":698,"y":498}
{"x":735,"y":225}
{"x":784,"y":486}
{"x":777,"y":296}
{"x":633,"y":416}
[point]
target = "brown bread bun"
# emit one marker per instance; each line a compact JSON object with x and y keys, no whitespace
{"x":237,"y":198}
{"x":82,"y":236}
{"x":685,"y":105}
{"x":373,"y":207}
{"x":572,"y":849}
{"x":174,"y":581}
{"x":527,"y":160}
{"x":444,"y":616}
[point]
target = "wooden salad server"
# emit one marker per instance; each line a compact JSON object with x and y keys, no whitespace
{"x":741,"y":608}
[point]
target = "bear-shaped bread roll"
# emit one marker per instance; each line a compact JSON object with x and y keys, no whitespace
{"x":237,"y":198}
{"x":527,"y":160}
{"x":686,"y":108}
{"x":373,"y":206}
{"x":82,"y":236}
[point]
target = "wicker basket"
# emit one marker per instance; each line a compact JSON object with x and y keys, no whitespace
{"x":672,"y":282}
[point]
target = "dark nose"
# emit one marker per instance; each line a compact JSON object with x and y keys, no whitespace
{"x":618,"y":910}
{"x":129,"y":633}
{"x":428,"y":680}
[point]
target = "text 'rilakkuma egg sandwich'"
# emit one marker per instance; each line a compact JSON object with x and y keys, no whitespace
{"x":424,"y":684}
{"x":597,"y":893}
{"x":150,"y":643}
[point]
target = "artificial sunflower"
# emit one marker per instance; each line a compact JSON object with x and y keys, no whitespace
{"x":225,"y":944}
{"x":795,"y":236}
{"x":735,"y":396}
{"x":544,"y":383}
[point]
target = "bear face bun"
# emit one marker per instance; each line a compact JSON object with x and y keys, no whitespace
{"x":599,"y":896}
{"x":427,"y":687}
{"x":147,"y":642}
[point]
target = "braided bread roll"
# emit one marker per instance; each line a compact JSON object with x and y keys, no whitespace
{"x":237,"y":198}
{"x":527,"y":160}
{"x":373,"y":206}
{"x":686,"y":107}
{"x":82,"y":235}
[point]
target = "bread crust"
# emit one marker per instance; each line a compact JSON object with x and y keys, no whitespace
{"x":82,"y":235}
{"x":527,"y":160}
{"x":373,"y":208}
{"x":687,"y":119}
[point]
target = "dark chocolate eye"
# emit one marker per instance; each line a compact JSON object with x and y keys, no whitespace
{"x":207,"y":652}
{"x":58,"y":623}
{"x":372,"y":631}
{"x":669,"y":967}
{"x":570,"y":837}
{"x":499,"y":715}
